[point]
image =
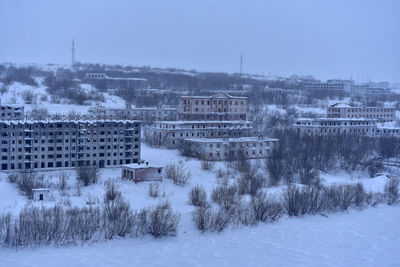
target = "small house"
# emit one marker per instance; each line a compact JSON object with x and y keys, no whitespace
{"x":41,"y":194}
{"x":140,"y":172}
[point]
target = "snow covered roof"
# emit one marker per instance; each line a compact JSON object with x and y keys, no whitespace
{"x":233,"y":140}
{"x":139,"y":166}
{"x":15,"y":122}
{"x":335,"y":119}
{"x":340,"y":105}
{"x":41,"y":189}
{"x":204,"y":122}
{"x":219,"y":95}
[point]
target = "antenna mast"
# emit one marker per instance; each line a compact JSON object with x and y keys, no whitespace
{"x":73,"y":53}
{"x":241,"y":63}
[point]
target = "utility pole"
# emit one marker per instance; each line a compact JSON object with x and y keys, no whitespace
{"x":241,"y":64}
{"x":73,"y":53}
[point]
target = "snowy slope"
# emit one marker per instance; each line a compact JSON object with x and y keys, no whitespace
{"x":366,"y":238}
{"x":16,"y":90}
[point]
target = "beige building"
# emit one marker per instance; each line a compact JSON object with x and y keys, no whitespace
{"x":220,"y":107}
{"x":340,"y":110}
{"x":229,"y":148}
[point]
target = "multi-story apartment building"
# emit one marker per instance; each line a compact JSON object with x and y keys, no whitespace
{"x":102,"y":80}
{"x":229,"y":148}
{"x":35,"y":145}
{"x":145,"y":114}
{"x":172,"y":133}
{"x":11,"y":112}
{"x":327,"y":126}
{"x":221,"y":107}
{"x":340,"y":110}
{"x":331,"y":88}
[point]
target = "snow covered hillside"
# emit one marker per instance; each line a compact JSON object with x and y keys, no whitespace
{"x":41,"y":99}
{"x":368,"y":237}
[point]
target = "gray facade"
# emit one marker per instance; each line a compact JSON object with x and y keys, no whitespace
{"x":35,"y":145}
{"x":11,"y":112}
{"x":171,"y":134}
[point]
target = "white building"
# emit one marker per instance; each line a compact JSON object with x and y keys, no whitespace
{"x":341,"y":110}
{"x":229,"y":148}
{"x":171,"y":134}
{"x":355,"y":126}
{"x":326,"y":126}
{"x":41,"y":194}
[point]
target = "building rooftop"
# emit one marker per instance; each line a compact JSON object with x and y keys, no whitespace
{"x":219,"y":95}
{"x":233,"y":140}
{"x":140,"y":166}
{"x":335,"y":119}
{"x":340,"y":105}
{"x":9,"y":122}
{"x":198,"y":122}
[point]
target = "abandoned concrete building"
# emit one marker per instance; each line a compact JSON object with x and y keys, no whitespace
{"x":229,"y":148}
{"x":220,"y":107}
{"x":35,"y":145}
{"x":102,"y":81}
{"x":141,"y":172}
{"x":145,"y":114}
{"x":11,"y":112}
{"x":171,"y":134}
{"x":333,"y":126}
{"x":340,"y":110}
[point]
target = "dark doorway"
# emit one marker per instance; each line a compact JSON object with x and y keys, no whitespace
{"x":41,"y":197}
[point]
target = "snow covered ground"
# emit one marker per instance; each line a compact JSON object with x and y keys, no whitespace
{"x":356,"y":238}
{"x":15,"y":92}
{"x":366,"y":238}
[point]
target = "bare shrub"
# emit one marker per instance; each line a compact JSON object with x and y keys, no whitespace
{"x":63,"y":181}
{"x":219,"y":220}
{"x":26,"y":181}
{"x":244,"y":214}
{"x":154,"y":190}
{"x":87,"y":174}
{"x":159,"y":221}
{"x":251,"y":181}
{"x":207,"y":165}
{"x":198,"y":196}
{"x":392,"y":191}
{"x":202,"y":217}
{"x":178,"y":173}
{"x":265,"y":208}
{"x":225,"y":196}
{"x":28,"y":96}
{"x":119,"y":219}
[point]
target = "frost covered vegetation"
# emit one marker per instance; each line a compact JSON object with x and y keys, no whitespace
{"x":300,"y":158}
{"x":232,"y":208}
{"x":62,"y":225}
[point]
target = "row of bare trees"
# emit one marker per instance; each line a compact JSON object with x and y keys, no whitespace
{"x":299,"y":158}
{"x":294,"y":201}
{"x":60,"y":225}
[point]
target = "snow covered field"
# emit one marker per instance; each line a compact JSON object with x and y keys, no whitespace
{"x":370,"y":237}
{"x":366,"y":238}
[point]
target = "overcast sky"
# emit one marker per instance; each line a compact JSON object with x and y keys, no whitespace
{"x":327,"y":39}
